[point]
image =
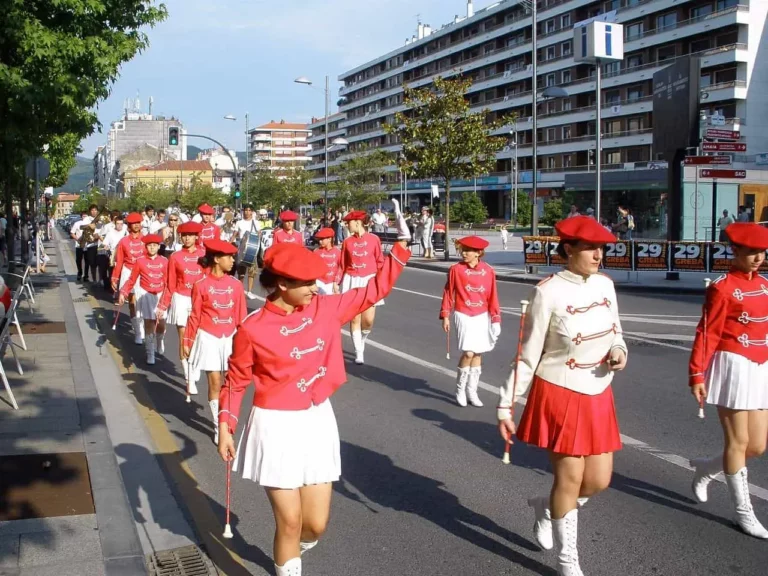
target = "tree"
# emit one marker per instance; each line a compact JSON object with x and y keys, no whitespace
{"x":470,"y":209}
{"x":86,"y":199}
{"x":553,"y":211}
{"x":297,"y":191}
{"x":442,"y":139}
{"x":264,"y":189}
{"x":201,"y":193}
{"x":62,"y":154}
{"x":358,"y":179}
{"x":524,"y":208}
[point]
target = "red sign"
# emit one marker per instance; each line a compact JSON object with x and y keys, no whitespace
{"x":724,"y":147}
{"x":723,"y":173}
{"x":707,"y":160}
{"x":720,"y":134}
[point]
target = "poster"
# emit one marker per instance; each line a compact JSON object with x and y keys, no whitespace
{"x":720,"y":256}
{"x":618,"y":255}
{"x":535,"y":250}
{"x":650,"y":255}
{"x":688,"y":257}
{"x":554,"y":258}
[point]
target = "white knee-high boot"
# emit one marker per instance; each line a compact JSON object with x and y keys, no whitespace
{"x":214,"y":404}
{"x":704,"y":471}
{"x":738,"y":487}
{"x":307,"y":546}
{"x":357,"y":341}
{"x":160,"y":342}
{"x":138,"y":330}
{"x":472,"y":384}
{"x":290,"y":568}
{"x":542,"y":526}
{"x":565,"y":531}
{"x":462,"y":377}
{"x":150,"y":345}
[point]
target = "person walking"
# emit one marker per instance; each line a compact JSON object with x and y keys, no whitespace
{"x":429,"y":228}
{"x":723,"y":223}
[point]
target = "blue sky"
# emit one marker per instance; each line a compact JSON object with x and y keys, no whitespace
{"x":217,"y":57}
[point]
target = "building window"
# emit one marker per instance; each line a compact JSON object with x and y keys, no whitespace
{"x":551,"y":163}
{"x":636,"y":154}
{"x":701,"y":11}
{"x":566,"y":76}
{"x":550,"y":134}
{"x":550,"y":26}
{"x":613,"y":158}
{"x":566,"y":132}
{"x":666,"y":53}
{"x":728,"y":75}
{"x":706,"y":80}
{"x":635,"y":124}
{"x":612,"y":5}
{"x":550,"y":52}
{"x":551,"y":107}
{"x":634,"y":61}
{"x":634,"y":31}
{"x":725,"y":4}
{"x":566,"y":105}
{"x":565,"y":21}
{"x":612,"y":68}
{"x":550,"y":79}
{"x":565,"y":48}
{"x":612,"y":126}
{"x":567,"y":161}
{"x":665,"y":21}
{"x":612,"y":98}
{"x":634,"y":93}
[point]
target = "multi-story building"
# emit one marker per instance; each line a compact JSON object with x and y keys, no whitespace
{"x":316,"y":142}
{"x":169,"y":174}
{"x":64,"y":203}
{"x":493,"y":47}
{"x":279,"y":147}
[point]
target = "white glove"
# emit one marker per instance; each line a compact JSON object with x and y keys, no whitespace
{"x":402,"y":228}
{"x":496,"y":329}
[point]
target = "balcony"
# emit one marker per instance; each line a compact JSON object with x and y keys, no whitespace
{"x":734,"y":90}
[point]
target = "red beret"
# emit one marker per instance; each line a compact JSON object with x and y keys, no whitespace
{"x":473,"y":242}
{"x":356,"y":215}
{"x":293,"y":261}
{"x":215,"y":246}
{"x":324,"y":233}
{"x":205,"y":209}
{"x":748,"y":235}
{"x":133,"y":218}
{"x":584,"y":228}
{"x":288,"y":215}
{"x":152,"y":239}
{"x":190,"y":228}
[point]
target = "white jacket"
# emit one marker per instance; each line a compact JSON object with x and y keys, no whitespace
{"x":571,"y":327}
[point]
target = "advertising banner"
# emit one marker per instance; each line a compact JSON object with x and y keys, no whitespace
{"x":720,"y":256}
{"x":688,"y":257}
{"x":535,"y":249}
{"x":651,"y":255}
{"x":618,"y":255}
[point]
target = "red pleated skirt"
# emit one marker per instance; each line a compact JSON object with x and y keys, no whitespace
{"x":568,"y":422}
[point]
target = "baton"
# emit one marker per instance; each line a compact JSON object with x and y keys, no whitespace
{"x":707,"y":282}
{"x":117,"y":316}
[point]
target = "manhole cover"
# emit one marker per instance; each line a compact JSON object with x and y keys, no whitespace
{"x":42,"y":328}
{"x":186,"y":561}
{"x":80,"y":300}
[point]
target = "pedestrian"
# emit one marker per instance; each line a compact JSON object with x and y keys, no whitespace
{"x":331,"y":255}
{"x":291,"y":351}
{"x":170,"y":233}
{"x":573,"y":212}
{"x":470,"y":297}
{"x":428,"y":222}
{"x":504,"y":237}
{"x":247,"y":225}
{"x":361,"y":259}
{"x":379,"y":221}
{"x":728,"y":369}
{"x":723,"y":223}
{"x":743,"y":215}
{"x":147,"y":219}
{"x":184,"y":271}
{"x":287,"y":231}
{"x":571,"y":349}
{"x":128,"y":251}
{"x":630,"y":223}
{"x":218,"y":307}
{"x":209,"y":230}
{"x":110,"y":242}
{"x":76,"y":233}
{"x":151,"y":270}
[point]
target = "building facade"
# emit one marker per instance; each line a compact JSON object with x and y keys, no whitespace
{"x":169,"y":174}
{"x":64,"y":203}
{"x":279,"y":147}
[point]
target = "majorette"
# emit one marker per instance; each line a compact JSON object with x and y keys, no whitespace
{"x":183,"y":271}
{"x":209,"y":230}
{"x":572,"y":345}
{"x":470,"y":294}
{"x":291,"y":350}
{"x":152,"y":273}
{"x":128,"y":251}
{"x":287,"y":233}
{"x":218,"y":307}
{"x":331,"y":255}
{"x":361,"y":259}
{"x":729,"y":368}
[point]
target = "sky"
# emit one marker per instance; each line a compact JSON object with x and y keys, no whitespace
{"x":212,"y":58}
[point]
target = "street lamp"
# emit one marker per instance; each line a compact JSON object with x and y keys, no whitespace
{"x":247,"y":150}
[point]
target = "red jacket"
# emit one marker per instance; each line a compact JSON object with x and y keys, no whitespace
{"x":471,"y":291}
{"x":332,"y":258}
{"x":361,"y":255}
{"x":209,"y":232}
{"x":152,"y":275}
{"x":218,"y":307}
{"x":183,"y":272}
{"x":128,"y":251}
{"x":296,"y":360}
{"x":281,"y":236}
{"x":734,"y":320}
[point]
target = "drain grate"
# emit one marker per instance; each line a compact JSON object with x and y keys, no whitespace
{"x":80,"y":300}
{"x":186,"y":561}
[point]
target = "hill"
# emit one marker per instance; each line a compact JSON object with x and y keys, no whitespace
{"x":79,"y":176}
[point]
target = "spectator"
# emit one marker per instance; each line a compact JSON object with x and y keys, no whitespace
{"x":743,"y":215}
{"x":379,"y":220}
{"x":574,"y":211}
{"x":621,"y":227}
{"x":723,"y":223}
{"x":591,"y":212}
{"x":630,"y":223}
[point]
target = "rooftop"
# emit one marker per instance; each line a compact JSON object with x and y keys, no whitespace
{"x":282,"y":125}
{"x":176,"y":165}
{"x":64,"y":197}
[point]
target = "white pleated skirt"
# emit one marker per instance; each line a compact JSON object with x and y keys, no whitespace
{"x":178,"y":311}
{"x":736,"y":382}
{"x":290,"y":448}
{"x":146,"y":303}
{"x":324,"y":288}
{"x":351,"y":282}
{"x":125,"y":273}
{"x":209,"y":354}
{"x":474,"y":332}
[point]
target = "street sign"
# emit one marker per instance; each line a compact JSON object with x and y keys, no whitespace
{"x":43,"y":168}
{"x":707,"y":160}
{"x":723,"y":173}
{"x":724,"y":147}
{"x":720,"y":134}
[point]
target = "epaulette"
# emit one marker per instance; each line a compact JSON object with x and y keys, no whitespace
{"x":545,"y":280}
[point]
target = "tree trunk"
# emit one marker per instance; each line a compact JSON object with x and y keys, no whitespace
{"x":447,"y":217}
{"x":23,"y":228}
{"x":9,"y":240}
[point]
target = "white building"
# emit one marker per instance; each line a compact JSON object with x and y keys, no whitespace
{"x":279,"y":147}
{"x":223,"y":168}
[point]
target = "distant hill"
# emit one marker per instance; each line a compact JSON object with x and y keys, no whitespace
{"x":79,"y":176}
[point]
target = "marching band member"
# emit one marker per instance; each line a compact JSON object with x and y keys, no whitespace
{"x":291,"y":350}
{"x":183,"y":271}
{"x":247,"y":225}
{"x":128,"y":251}
{"x":572,"y":346}
{"x":361,"y":258}
{"x":151,"y":270}
{"x":209,"y":230}
{"x":288,"y":232}
{"x":728,"y":368}
{"x":218,"y":307}
{"x":470,"y":293}
{"x":331,"y":255}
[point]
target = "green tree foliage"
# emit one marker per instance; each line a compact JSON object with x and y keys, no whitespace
{"x":264,"y":189}
{"x":469,"y":210}
{"x":86,"y":199}
{"x":357,"y":180}
{"x":62,"y":154}
{"x":553,"y":212}
{"x":297,"y":191}
{"x":524,"y":208}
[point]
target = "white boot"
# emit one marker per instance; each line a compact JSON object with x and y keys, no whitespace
{"x":306,"y":546}
{"x":161,"y":343}
{"x":138,"y":330}
{"x":704,"y":471}
{"x":141,"y":327}
{"x":214,"y":404}
{"x":185,"y":368}
{"x":150,"y":345}
{"x":472,"y":384}
{"x":462,"y":376}
{"x":565,"y":532}
{"x":357,"y":341}
{"x":542,"y":526}
{"x":738,"y":487}
{"x":290,"y":568}
{"x":365,"y":334}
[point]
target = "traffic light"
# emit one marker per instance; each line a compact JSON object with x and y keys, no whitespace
{"x":173,"y":136}
{"x":237,"y":190}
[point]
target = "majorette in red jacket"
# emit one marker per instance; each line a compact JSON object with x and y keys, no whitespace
{"x":209,"y":232}
{"x":128,"y":251}
{"x":471,"y":291}
{"x":218,"y":307}
{"x":281,"y":236}
{"x":361,"y":255}
{"x":295,"y":360}
{"x":183,"y":272}
{"x":734,"y":320}
{"x":150,"y":272}
{"x":332,"y":258}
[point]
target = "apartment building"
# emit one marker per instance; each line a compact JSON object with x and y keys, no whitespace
{"x":279,"y":146}
{"x":316,"y":142}
{"x":64,"y":203}
{"x":493,"y":46}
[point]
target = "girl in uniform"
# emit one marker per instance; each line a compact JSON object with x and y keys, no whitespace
{"x":728,"y":369}
{"x":209,"y":230}
{"x":291,"y":350}
{"x":572,"y":346}
{"x":331,"y":255}
{"x":470,"y":294}
{"x":128,"y":251}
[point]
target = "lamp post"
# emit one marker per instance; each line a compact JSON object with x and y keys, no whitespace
{"x":513,"y":174}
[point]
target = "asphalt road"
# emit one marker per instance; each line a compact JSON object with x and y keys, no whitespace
{"x":423,"y":489}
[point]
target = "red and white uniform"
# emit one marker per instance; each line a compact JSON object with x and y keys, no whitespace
{"x":296,"y":363}
{"x":128,"y":251}
{"x":361,"y":258}
{"x":209,"y":232}
{"x":571,"y":327}
{"x":183,"y":271}
{"x":152,"y":275}
{"x":281,"y":236}
{"x":218,"y":307}
{"x":471,"y":294}
{"x":730,"y":351}
{"x":332,"y":257}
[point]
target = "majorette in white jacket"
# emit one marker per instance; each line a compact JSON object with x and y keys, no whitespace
{"x":570,"y":329}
